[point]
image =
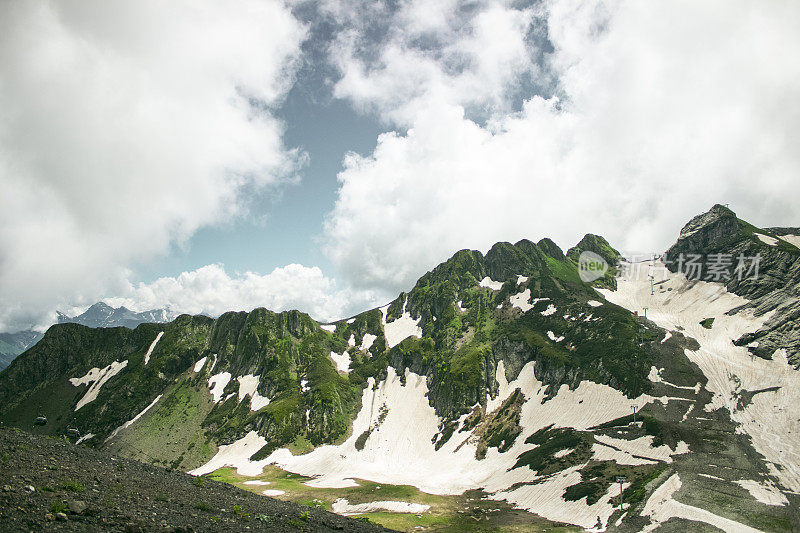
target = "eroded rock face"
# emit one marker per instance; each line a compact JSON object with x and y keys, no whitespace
{"x":775,"y":286}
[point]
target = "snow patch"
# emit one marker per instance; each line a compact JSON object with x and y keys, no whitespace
{"x":350,"y":321}
{"x":257,"y":482}
{"x":766,"y":493}
{"x":521,"y":279}
{"x":553,"y":337}
{"x":134,"y":419}
{"x":343,"y":507}
{"x":236,"y":455}
{"x":352,"y":340}
{"x":304,"y":385}
{"x":661,"y":507}
{"x":601,"y":452}
{"x":522,"y":301}
{"x":248,"y":386}
{"x":332,"y":483}
{"x":551,"y":309}
{"x":366,"y":342}
{"x":792,"y":239}
{"x":766,"y":239}
{"x":152,"y":346}
{"x":273,"y":492}
{"x":84,"y":438}
{"x":401,"y":328}
{"x":594,"y":303}
{"x":330,"y":328}
{"x":217,"y":384}
{"x":643,"y":447}
{"x":342,"y":361}
{"x":198,"y":366}
{"x":97,"y":377}
{"x":491,"y":284}
{"x":460,"y":308}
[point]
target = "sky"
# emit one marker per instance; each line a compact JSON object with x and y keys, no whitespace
{"x":323,"y":155}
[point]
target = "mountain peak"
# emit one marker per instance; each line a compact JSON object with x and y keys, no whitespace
{"x":717,"y":222}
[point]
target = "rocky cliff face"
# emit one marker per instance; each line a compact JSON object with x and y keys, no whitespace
{"x":772,"y":281}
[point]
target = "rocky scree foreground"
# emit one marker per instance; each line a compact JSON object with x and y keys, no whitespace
{"x":48,"y":484}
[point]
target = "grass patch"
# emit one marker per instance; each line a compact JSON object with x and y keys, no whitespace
{"x":202,"y":506}
{"x":550,"y":441}
{"x":72,"y":486}
{"x":58,"y":507}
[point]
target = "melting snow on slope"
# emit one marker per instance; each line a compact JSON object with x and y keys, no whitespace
{"x":331,"y":483}
{"x":399,"y":450}
{"x":152,"y":346}
{"x":594,"y":303}
{"x":304,"y":385}
{"x":97,"y":377}
{"x":366,"y":342}
{"x":134,"y":419}
{"x":248,"y":386}
{"x":198,"y":366}
{"x":766,"y":493}
{"x":521,"y":280}
{"x":491,"y":284}
{"x":553,"y":337}
{"x":551,"y":309}
{"x":257,"y":482}
{"x":521,"y":301}
{"x":661,"y":507}
{"x":217,"y":384}
{"x":643,"y":447}
{"x":342,"y":361}
{"x":343,"y":507}
{"x":84,"y":438}
{"x":352,"y":340}
{"x":330,"y":328}
{"x":769,"y":418}
{"x":272,"y":492}
{"x":792,"y":239}
{"x":401,"y":328}
{"x":460,"y":308}
{"x":766,"y":239}
{"x":350,"y":321}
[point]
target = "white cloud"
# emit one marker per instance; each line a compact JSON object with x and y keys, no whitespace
{"x":126,"y":126}
{"x":431,"y":50}
{"x":663,"y":109}
{"x":210,"y":290}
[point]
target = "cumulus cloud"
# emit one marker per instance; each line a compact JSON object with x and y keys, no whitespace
{"x":211,"y":290}
{"x":126,"y":126}
{"x":638,"y":116}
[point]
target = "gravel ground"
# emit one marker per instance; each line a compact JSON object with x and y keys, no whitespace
{"x":50,"y":484}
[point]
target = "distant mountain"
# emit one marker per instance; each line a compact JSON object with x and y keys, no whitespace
{"x":13,"y":344}
{"x":102,"y":315}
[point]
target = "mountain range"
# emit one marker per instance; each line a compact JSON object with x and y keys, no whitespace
{"x":99,"y":315}
{"x":641,"y":398}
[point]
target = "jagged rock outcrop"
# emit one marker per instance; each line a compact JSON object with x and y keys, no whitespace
{"x":772,"y":281}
